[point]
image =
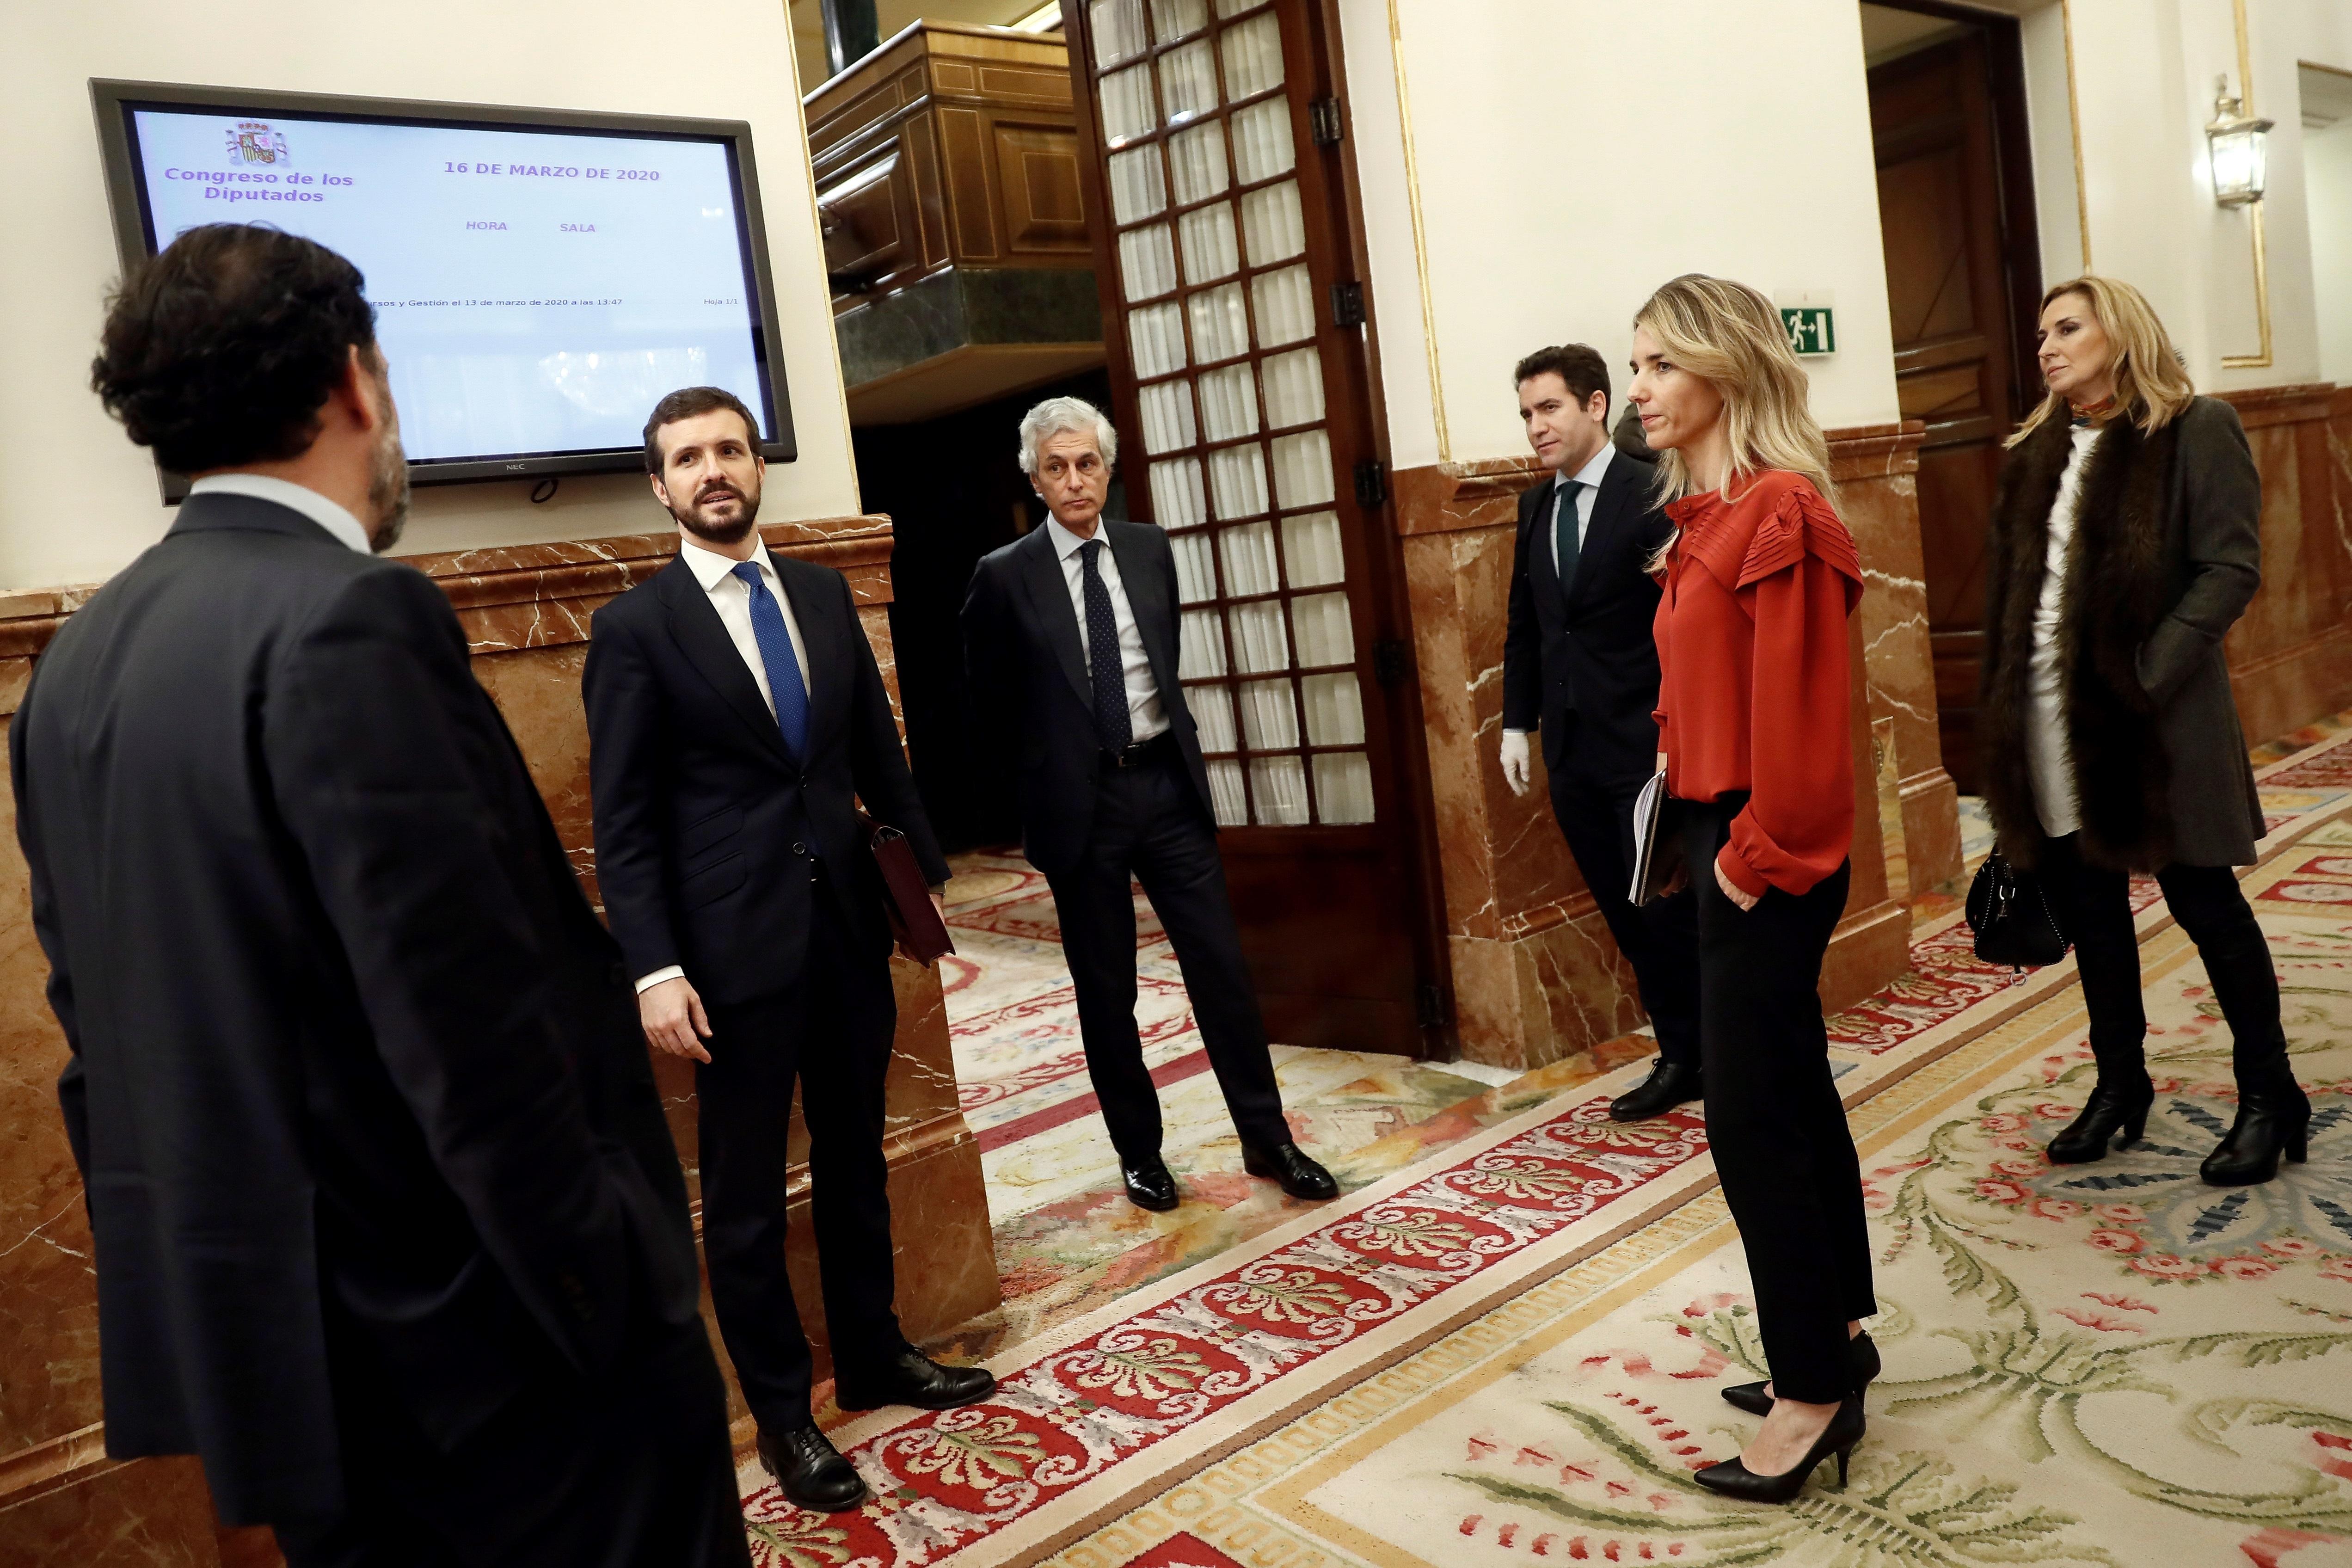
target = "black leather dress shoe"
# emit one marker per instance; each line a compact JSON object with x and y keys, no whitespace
{"x":1149,"y":1186}
{"x":1669,"y":1084}
{"x":812,"y":1470}
{"x":910,"y":1377}
{"x":1863,"y":1368}
{"x":1287,"y":1163}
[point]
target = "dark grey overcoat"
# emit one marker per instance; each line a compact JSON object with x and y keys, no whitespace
{"x":2166,"y":552}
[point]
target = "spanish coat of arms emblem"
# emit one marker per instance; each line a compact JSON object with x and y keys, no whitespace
{"x":251,"y":141}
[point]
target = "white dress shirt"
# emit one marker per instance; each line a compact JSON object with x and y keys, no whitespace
{"x":1589,"y":476}
{"x":2046,"y":732}
{"x":327,"y":514}
{"x":1146,"y":715}
{"x":731,"y":597}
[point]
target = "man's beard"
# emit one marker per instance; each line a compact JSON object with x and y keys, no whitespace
{"x":388,"y":491}
{"x":692,"y":521}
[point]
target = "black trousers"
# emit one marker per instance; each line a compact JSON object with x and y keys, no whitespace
{"x":1774,"y":1120}
{"x":832,"y":1030}
{"x":1149,"y":823}
{"x":629,"y":1468}
{"x":1661,"y":941}
{"x":2093,"y":908}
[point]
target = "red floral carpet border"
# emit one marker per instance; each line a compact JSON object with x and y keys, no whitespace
{"x":944,"y":1482}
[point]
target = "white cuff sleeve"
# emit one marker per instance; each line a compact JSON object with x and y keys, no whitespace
{"x":1508,"y":731}
{"x":648,"y":982}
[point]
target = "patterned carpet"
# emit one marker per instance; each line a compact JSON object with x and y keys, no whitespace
{"x":2110,"y":1363}
{"x":1505,"y":1337}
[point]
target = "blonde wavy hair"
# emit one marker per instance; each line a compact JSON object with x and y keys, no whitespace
{"x":2152,"y":386}
{"x":1729,"y":336}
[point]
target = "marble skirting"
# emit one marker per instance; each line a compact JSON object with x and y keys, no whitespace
{"x":1536,"y":975}
{"x":525,"y":611}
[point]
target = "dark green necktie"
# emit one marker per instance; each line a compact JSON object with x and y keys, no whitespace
{"x":1564,"y":533}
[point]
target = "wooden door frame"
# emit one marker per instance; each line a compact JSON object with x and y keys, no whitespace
{"x":2013,"y":160}
{"x":1384,"y":599}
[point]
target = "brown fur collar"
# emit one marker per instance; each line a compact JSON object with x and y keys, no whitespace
{"x":2112,"y":599}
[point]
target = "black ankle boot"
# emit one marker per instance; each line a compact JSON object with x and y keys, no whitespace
{"x":2115,"y":1106}
{"x":2271,"y":1121}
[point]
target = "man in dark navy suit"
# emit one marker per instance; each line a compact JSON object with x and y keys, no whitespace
{"x":1580,"y":663}
{"x":1070,"y":640}
{"x":734,"y":708}
{"x":390,"y":1230}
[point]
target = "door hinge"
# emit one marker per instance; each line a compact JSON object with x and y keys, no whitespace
{"x":1347,"y":304}
{"x":1391,"y":661}
{"x":1324,"y":123}
{"x":1432,"y":1007}
{"x":1372,"y":483}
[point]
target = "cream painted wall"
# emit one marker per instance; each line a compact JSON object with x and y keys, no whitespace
{"x":1573,"y":156}
{"x":2328,"y":167}
{"x":2051,"y":129}
{"x":2143,"y":80}
{"x":78,"y":500}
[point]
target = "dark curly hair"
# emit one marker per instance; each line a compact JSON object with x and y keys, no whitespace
{"x":219,"y":351}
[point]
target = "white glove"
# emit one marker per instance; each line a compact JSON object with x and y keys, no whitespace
{"x":1516,"y":771}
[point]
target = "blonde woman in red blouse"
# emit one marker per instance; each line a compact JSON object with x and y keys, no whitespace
{"x":1753,"y":713}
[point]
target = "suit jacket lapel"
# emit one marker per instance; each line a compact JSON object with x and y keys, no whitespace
{"x":1154,"y":619}
{"x":1608,"y":508}
{"x":695,"y":626}
{"x":1543,"y":568}
{"x":1049,"y":595}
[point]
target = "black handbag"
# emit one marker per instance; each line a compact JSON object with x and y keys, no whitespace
{"x":2012,"y":919}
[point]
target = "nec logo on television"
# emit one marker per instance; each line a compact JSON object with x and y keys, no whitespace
{"x":251,"y":141}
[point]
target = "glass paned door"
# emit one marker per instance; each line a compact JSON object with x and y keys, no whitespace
{"x":1222,"y":225}
{"x":1196,"y":112}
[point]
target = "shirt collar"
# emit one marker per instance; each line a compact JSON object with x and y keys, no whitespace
{"x":1066,"y":544}
{"x":710,"y":568}
{"x":1591,"y":473}
{"x":327,"y":514}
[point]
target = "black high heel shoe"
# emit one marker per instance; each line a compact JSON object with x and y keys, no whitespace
{"x":1861,"y":1367}
{"x":2267,"y":1125}
{"x":2110,"y":1110}
{"x":1734,"y":1479}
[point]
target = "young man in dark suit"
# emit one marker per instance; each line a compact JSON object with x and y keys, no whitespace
{"x":1070,"y":642}
{"x":390,"y":1230}
{"x":1580,"y":664}
{"x":734,"y":707}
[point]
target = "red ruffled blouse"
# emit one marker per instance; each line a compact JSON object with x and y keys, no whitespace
{"x":1753,"y":692}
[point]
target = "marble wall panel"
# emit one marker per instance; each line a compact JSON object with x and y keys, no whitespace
{"x":526,"y":612}
{"x":1536,"y":976}
{"x":2291,"y":655}
{"x":1876,"y":472}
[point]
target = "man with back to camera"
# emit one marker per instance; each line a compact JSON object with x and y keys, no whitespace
{"x":733,"y":706}
{"x":1580,"y":662}
{"x":390,"y":1230}
{"x":1070,"y":638}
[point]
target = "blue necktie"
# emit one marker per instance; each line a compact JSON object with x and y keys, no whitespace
{"x":1104,"y":664}
{"x":783,"y":670}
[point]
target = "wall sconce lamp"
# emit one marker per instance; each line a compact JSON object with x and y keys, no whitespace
{"x":2239,"y":146}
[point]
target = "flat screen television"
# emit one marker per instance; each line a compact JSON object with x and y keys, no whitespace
{"x":541,"y":278}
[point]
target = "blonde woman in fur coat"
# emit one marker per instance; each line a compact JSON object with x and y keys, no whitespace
{"x":2125,"y":541}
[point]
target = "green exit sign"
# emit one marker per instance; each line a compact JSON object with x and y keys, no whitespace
{"x":1810,"y":329}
